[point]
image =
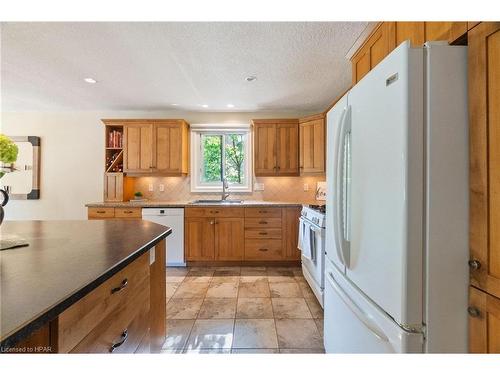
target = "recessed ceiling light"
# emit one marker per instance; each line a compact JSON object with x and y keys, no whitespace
{"x":251,"y":78}
{"x":174,"y":104}
{"x":204,"y":105}
{"x":90,"y":80}
{"x":230,"y":106}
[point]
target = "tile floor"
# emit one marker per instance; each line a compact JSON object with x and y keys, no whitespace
{"x":241,"y":310}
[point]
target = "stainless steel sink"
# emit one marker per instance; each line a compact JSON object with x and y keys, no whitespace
{"x":217,"y":201}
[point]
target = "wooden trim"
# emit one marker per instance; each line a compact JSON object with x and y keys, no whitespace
{"x":245,"y":263}
{"x":361,"y":48}
{"x":275,"y":121}
{"x":121,"y":122}
{"x":318,"y":116}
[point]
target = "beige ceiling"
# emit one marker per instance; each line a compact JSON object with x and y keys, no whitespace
{"x":149,"y":66}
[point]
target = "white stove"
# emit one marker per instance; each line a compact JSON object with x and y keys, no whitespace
{"x":312,"y":246}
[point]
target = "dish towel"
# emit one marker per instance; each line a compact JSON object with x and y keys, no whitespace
{"x":306,"y":240}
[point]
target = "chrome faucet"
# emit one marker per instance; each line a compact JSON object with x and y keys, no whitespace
{"x":225,"y":186}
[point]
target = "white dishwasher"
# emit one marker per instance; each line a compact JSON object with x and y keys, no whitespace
{"x":173,"y":218}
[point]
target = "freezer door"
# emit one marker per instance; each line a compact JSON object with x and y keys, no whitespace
{"x":387,"y":185}
{"x":335,"y":117}
{"x":352,"y":324}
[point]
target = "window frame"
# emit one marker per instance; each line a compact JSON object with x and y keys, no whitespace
{"x":196,"y":162}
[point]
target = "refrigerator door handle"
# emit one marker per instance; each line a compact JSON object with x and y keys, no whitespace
{"x":340,"y":225}
{"x":360,"y":314}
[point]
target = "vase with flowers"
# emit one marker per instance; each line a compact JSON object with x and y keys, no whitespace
{"x":8,"y":155}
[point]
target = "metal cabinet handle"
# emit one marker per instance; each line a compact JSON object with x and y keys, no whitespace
{"x":121,"y":342}
{"x":474,"y":264}
{"x":263,"y":249}
{"x":262,"y":211}
{"x":262,"y":222}
{"x":214,"y":212}
{"x":101,"y":212}
{"x":474,"y":311}
{"x":122,"y":286}
{"x":128,"y":212}
{"x":262,"y":233}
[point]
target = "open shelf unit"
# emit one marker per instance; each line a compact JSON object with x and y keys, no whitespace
{"x":117,"y":186}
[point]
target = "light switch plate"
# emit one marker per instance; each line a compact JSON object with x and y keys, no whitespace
{"x":258,"y":186}
{"x":151,"y":187}
{"x":162,"y":187}
{"x":306,"y":187}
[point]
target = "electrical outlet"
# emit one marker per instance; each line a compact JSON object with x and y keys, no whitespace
{"x":162,"y":187}
{"x":151,"y":187}
{"x":258,"y":186}
{"x":306,"y":187}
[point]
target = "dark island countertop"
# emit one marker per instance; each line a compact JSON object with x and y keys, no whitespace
{"x":64,"y":261}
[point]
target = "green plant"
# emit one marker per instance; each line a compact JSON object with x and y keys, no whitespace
{"x":138,"y":194}
{"x":8,"y":153}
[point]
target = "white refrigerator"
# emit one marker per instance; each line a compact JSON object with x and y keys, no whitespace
{"x":396,"y":278}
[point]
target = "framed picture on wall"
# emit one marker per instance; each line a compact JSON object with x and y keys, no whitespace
{"x":24,"y":181}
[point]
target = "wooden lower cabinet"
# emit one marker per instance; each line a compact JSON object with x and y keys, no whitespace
{"x":199,"y":238}
{"x":241,"y":234}
{"x":229,"y":238}
{"x":291,"y":232}
{"x":484,"y":322}
{"x":125,"y":314}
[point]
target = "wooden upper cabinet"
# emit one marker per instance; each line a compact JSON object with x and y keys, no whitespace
{"x":156,"y":146}
{"x":199,"y":240}
{"x":376,"y":47}
{"x":287,"y":148}
{"x":276,"y":147}
{"x":170,"y":147}
{"x":113,"y":187}
{"x":484,"y":322}
{"x":229,"y":238}
{"x":312,"y":145}
{"x":484,"y":155}
{"x":138,"y":148}
{"x":388,"y":35}
{"x":412,"y":31}
{"x":264,"y":149}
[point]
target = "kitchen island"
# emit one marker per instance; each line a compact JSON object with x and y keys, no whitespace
{"x":83,"y":286}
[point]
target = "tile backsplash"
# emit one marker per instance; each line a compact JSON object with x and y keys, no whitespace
{"x":283,"y":189}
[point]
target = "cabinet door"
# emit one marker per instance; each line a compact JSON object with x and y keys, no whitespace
{"x":229,"y":238}
{"x":312,"y":146}
{"x":168,"y":148}
{"x":484,"y":152}
{"x":287,"y":149}
{"x":449,"y":31}
{"x":113,"y":187}
{"x":484,"y":322}
{"x":138,"y":148}
{"x":265,"y":149}
{"x":199,"y":238}
{"x":412,"y":31}
{"x":291,"y":232}
{"x":360,"y":65}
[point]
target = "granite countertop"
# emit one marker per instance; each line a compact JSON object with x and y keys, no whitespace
{"x":64,"y":261}
{"x":166,"y":204}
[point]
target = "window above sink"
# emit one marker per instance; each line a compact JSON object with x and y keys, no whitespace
{"x":219,"y":151}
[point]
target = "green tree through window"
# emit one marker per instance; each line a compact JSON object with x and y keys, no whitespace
{"x":223,"y":155}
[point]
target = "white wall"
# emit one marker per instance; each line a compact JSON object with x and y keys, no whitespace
{"x":72,"y":155}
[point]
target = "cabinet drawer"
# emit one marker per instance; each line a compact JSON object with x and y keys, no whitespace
{"x":101,"y":212}
{"x":263,"y":212}
{"x":263,"y":233}
{"x":263,"y":222}
{"x":214,"y":212}
{"x":133,"y":212}
{"x":78,"y":320}
{"x":263,"y":249}
{"x":123,"y":330}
